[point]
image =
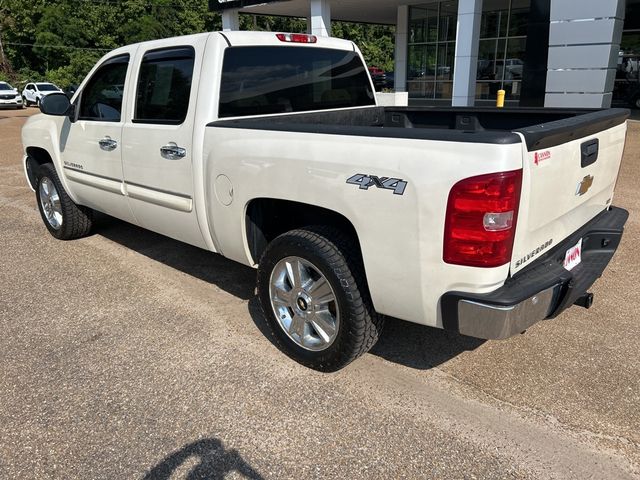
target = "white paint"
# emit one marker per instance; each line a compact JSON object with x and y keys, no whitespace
{"x":548,"y":186}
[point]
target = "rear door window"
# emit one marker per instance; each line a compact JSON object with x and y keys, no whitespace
{"x":164,"y":86}
{"x":265,"y":80}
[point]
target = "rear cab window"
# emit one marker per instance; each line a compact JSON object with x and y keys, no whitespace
{"x":269,"y":80}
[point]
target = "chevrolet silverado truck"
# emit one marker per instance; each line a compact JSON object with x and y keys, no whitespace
{"x":269,"y":149}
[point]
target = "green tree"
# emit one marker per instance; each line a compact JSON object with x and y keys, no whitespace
{"x":62,"y":39}
{"x":81,"y":61}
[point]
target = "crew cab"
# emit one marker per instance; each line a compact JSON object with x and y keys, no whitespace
{"x":33,"y":93}
{"x":9,"y":97}
{"x":269,"y":149}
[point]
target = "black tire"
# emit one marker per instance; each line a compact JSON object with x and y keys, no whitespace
{"x":636,"y":102}
{"x":24,"y":101}
{"x":338,"y":258}
{"x":76,"y":220}
{"x":38,"y":102}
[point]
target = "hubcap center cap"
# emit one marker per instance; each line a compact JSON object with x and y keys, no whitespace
{"x":302,"y":304}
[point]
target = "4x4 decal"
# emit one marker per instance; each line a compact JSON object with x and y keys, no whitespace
{"x":365,"y":181}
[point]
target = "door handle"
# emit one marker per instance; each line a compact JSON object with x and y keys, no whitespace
{"x":171,"y":151}
{"x":107,"y":144}
{"x":589,"y":152}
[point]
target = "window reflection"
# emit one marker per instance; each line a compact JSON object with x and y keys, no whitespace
{"x":626,"y":89}
{"x":432,"y":39}
{"x":502,"y":47}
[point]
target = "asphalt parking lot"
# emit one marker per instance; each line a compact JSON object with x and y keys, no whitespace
{"x":130,"y":355}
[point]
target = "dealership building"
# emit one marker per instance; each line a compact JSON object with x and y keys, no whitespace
{"x":552,"y":53}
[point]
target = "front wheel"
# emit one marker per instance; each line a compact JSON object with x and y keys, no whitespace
{"x":25,"y":102}
{"x":63,"y":218}
{"x":315,"y":299}
{"x":636,"y":102}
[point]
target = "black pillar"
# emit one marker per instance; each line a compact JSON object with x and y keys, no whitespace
{"x":534,"y":74}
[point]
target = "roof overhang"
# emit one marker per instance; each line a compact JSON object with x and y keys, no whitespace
{"x":362,"y":11}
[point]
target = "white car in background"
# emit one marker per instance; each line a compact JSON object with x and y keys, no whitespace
{"x":9,"y":97}
{"x":33,"y":92}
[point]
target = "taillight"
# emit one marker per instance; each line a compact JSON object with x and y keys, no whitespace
{"x":296,"y":38}
{"x":481,"y":219}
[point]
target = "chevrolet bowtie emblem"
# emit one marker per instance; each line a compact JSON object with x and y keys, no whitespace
{"x":584,"y":185}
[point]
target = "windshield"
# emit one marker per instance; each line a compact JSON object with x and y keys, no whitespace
{"x":5,"y":86}
{"x":47,"y":87}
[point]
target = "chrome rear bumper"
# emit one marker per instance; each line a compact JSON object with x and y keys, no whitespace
{"x":540,"y":291}
{"x":496,"y":322}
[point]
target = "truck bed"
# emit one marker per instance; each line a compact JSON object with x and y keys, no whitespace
{"x":541,"y":128}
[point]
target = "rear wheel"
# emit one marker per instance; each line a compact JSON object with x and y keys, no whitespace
{"x":315,"y":299}
{"x":63,"y":218}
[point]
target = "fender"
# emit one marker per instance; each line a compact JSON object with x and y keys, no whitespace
{"x":43,"y":133}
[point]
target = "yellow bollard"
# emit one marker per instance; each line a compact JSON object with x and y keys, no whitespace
{"x":500,"y":99}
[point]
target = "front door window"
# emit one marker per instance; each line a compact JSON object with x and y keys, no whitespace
{"x":102,"y":97}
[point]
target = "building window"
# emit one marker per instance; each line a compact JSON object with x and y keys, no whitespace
{"x":432,"y":44}
{"x":502,"y":47}
{"x":630,"y":44}
{"x":626,"y":89}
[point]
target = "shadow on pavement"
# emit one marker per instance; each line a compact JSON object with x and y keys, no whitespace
{"x":420,"y":347}
{"x":214,"y":462}
{"x":406,"y":343}
{"x":225,"y":274}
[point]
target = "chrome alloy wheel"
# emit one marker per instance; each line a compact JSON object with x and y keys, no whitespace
{"x":304,"y":303}
{"x":50,"y":202}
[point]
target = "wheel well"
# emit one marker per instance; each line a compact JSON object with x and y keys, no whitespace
{"x":39,"y":155}
{"x":268,"y":218}
{"x":36,"y":157}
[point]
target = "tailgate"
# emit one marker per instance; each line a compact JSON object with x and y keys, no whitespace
{"x":570,"y":169}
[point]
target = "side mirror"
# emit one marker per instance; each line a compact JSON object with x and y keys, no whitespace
{"x":55,"y":104}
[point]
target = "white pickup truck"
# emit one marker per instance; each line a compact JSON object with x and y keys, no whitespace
{"x":270,"y":149}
